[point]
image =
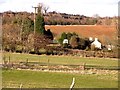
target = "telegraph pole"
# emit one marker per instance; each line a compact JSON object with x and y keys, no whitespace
{"x":34,"y":25}
{"x":34,"y":18}
{"x":39,"y":8}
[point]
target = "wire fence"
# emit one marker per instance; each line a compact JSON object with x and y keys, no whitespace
{"x":53,"y":66}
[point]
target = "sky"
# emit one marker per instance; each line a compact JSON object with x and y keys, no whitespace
{"x":82,"y":7}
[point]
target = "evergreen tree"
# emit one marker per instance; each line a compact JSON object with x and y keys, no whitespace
{"x":28,"y":25}
{"x":40,"y":24}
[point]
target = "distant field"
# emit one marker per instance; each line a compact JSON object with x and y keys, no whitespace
{"x":99,"y":31}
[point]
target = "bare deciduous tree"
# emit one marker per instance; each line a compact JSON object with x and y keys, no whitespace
{"x":45,"y":9}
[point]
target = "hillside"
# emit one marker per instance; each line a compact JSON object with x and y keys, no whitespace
{"x":54,"y":18}
{"x":101,"y":27}
{"x":103,"y":32}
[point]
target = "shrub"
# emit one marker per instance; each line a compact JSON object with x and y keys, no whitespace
{"x":63,"y":36}
{"x":84,"y":43}
{"x":19,"y":48}
{"x":49,"y":52}
{"x":74,"y":42}
{"x":65,"y":45}
{"x":32,"y":51}
{"x":42,"y":51}
{"x":49,"y":34}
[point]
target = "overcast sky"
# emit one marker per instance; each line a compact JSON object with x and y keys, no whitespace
{"x":82,"y":7}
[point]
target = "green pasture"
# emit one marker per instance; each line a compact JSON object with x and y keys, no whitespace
{"x":61,"y":60}
{"x":38,"y":79}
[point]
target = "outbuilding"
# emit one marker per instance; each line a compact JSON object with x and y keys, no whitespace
{"x":65,"y":41}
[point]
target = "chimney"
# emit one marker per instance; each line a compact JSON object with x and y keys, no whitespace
{"x":96,"y":39}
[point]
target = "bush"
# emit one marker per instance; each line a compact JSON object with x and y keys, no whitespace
{"x":6,"y":48}
{"x":49,"y":52}
{"x":55,"y":52}
{"x":65,"y":45}
{"x":63,"y":36}
{"x":32,"y":51}
{"x":74,"y":42}
{"x":49,"y":34}
{"x":19,"y":49}
{"x":42,"y":51}
{"x":84,"y":44}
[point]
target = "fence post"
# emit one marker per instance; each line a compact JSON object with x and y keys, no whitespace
{"x":48,"y":62}
{"x":72,"y":85}
{"x":9,"y":60}
{"x":4,"y":60}
{"x":21,"y":86}
{"x":84,"y":66}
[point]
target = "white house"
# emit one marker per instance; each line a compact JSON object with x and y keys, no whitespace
{"x":65,"y":41}
{"x":97,"y":44}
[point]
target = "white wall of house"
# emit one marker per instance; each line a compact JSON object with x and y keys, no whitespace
{"x":97,"y":44}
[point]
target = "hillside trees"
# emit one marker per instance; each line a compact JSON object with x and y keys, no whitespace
{"x":19,"y":35}
{"x":15,"y":35}
{"x":11,"y":37}
{"x":41,"y":37}
{"x":27,"y":27}
{"x":55,"y":18}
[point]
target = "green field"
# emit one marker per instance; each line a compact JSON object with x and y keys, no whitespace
{"x":67,"y":60}
{"x":39,"y":79}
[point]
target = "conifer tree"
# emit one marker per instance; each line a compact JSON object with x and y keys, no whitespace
{"x":40,"y":24}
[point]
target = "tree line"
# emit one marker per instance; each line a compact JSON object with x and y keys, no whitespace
{"x":54,"y":18}
{"x":19,"y":34}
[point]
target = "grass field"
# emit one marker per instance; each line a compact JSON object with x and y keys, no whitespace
{"x":64,"y":60}
{"x":39,"y":79}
